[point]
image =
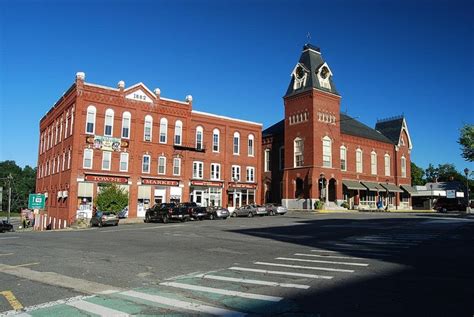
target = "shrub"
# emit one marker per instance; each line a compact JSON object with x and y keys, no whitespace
{"x":318,"y":204}
{"x":111,"y":198}
{"x":345,"y":204}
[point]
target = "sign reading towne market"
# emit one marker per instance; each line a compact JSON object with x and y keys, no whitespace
{"x":36,"y":201}
{"x":106,"y":179}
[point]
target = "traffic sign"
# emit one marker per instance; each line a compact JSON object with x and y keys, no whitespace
{"x":36,"y":201}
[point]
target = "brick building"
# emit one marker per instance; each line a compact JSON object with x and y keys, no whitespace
{"x":319,"y":153}
{"x":156,"y":149}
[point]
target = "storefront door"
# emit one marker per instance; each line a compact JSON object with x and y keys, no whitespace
{"x":197,"y":197}
{"x":237,"y":199}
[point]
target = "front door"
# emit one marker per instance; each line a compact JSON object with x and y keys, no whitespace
{"x":197,"y":197}
{"x":237,"y":199}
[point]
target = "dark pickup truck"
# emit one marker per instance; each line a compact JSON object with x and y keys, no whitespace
{"x":194,"y":211}
{"x":165,"y":212}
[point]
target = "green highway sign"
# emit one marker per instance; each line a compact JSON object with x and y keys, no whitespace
{"x":36,"y":201}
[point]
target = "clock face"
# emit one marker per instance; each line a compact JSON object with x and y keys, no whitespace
{"x":299,"y":72}
{"x":324,"y":72}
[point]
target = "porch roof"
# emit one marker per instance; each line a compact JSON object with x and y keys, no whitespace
{"x":353,"y":185}
{"x":409,"y":189}
{"x":391,"y":187}
{"x":375,"y":187}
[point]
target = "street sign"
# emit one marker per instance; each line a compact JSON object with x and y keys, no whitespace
{"x":36,"y":201}
{"x":451,"y":193}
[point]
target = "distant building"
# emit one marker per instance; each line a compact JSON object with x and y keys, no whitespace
{"x":156,"y":149}
{"x":318,"y":153}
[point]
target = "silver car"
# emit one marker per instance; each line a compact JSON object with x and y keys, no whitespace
{"x":250,"y":211}
{"x":274,"y":209}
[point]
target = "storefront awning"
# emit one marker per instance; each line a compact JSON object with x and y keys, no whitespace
{"x":391,"y":188}
{"x":353,"y":185}
{"x":375,"y":187}
{"x":409,"y":189}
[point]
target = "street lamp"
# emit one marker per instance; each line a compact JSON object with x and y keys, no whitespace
{"x":431,"y":197}
{"x":466,"y":172}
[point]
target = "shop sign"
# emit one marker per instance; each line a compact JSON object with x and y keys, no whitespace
{"x":248,"y":186}
{"x":206,"y":183}
{"x":451,"y":193}
{"x":164,"y":182}
{"x":106,"y":179}
{"x":106,"y":143}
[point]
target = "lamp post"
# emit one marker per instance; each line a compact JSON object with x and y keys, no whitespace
{"x":431,"y":197}
{"x":466,"y":172}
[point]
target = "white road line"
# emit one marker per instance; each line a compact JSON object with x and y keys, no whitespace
{"x":329,"y":256}
{"x":136,"y":229}
{"x":359,"y":251}
{"x":6,"y":238}
{"x":306,"y":267}
{"x":222,"y":291}
{"x":237,"y":268}
{"x":97,"y":309}
{"x":393,"y":238}
{"x":357,"y":246}
{"x":184,"y":305}
{"x":5,"y":254}
{"x":322,"y":261}
{"x":250,"y":281}
{"x":389,"y":243}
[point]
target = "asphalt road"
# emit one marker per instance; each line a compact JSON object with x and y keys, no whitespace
{"x":352,"y":264}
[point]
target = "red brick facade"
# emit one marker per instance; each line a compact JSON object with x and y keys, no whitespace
{"x":64,"y":139}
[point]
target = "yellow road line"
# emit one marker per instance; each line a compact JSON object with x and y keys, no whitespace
{"x":14,"y":303}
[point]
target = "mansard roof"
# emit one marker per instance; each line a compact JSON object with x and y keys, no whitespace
{"x":353,"y":127}
{"x":274,"y":130}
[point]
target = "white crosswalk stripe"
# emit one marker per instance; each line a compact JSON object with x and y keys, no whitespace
{"x":322,"y":261}
{"x":97,"y":309}
{"x":251,"y":281}
{"x":305,"y":267}
{"x":329,"y":256}
{"x":358,"y":251}
{"x":236,"y":268}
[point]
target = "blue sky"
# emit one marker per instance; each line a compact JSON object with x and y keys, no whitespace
{"x":235,"y":57}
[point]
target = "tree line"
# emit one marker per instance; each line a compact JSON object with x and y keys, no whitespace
{"x":23,"y":184}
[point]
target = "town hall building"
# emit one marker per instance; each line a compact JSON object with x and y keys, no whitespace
{"x":318,"y":153}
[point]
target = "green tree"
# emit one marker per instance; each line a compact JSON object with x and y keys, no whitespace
{"x":111,"y":198}
{"x":432,"y":173}
{"x":417,"y":174}
{"x":23,"y":183}
{"x":466,"y":140}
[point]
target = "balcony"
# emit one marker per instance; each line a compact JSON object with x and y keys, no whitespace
{"x":190,"y":147}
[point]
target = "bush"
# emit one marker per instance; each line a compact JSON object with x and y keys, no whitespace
{"x":111,"y":198}
{"x":345,"y":205}
{"x":318,"y":204}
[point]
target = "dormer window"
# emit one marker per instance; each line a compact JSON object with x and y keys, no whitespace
{"x":324,"y":73}
{"x":300,"y":74}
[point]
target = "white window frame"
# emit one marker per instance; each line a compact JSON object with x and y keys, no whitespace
{"x":236,"y":146}
{"x":66,"y":124}
{"x":387,"y":164}
{"x":60,"y":128}
{"x":343,"y":158}
{"x":178,"y":132}
{"x":327,"y":151}
{"x":53,"y":169}
{"x":88,"y":152}
{"x":199,"y":137}
{"x":109,"y":121}
{"x":359,"y":161}
{"x":403,"y":166}
{"x":235,"y":173}
{"x":143,"y":164}
{"x":162,"y":159}
{"x":215,"y":171}
{"x":106,"y":154}
{"x":148,"y":122}
{"x":64,"y":161}
{"x":123,"y":159}
{"x":90,"y":115}
{"x":373,"y":163}
{"x":251,"y":145}
{"x":163,"y":137}
{"x":177,"y":166}
{"x":198,"y":170}
{"x":126,"y":124}
{"x":250,"y":174}
{"x":69,"y":159}
{"x":266,"y":160}
{"x":215,"y":140}
{"x":298,"y":152}
{"x":72,"y":121}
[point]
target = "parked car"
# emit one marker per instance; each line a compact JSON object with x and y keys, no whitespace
{"x":104,"y":218}
{"x":165,"y":212}
{"x":274,"y":209}
{"x":6,"y":226}
{"x":444,"y":204}
{"x":217,"y":213}
{"x":195,"y":212}
{"x":123,"y":213}
{"x":249,"y":211}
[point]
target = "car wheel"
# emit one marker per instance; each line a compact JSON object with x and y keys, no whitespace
{"x":211,"y":217}
{"x":147,"y":218}
{"x":234,"y":214}
{"x":165,"y":219}
{"x":250,"y":214}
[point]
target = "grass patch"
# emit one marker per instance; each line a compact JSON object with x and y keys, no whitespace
{"x":12,"y":214}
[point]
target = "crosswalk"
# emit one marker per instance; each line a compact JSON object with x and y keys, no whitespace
{"x":259,"y":287}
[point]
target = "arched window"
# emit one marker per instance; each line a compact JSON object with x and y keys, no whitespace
{"x":327,"y":152}
{"x":359,"y":161}
{"x":373,"y":163}
{"x":298,"y":152}
{"x":343,"y":156}
{"x":404,"y":166}
{"x":236,"y":143}
{"x":199,"y":135}
{"x":215,"y":140}
{"x":126,"y":121}
{"x":90,"y":120}
{"x":163,"y":130}
{"x":387,"y":165}
{"x":250,"y":145}
{"x":148,"y":128}
{"x":109,"y":122}
{"x":178,"y":132}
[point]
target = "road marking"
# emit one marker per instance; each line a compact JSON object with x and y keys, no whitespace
{"x":378,"y":241}
{"x":359,"y":251}
{"x":25,"y":264}
{"x":45,"y":305}
{"x":5,"y":254}
{"x":236,"y":268}
{"x":146,"y":228}
{"x":250,"y":281}
{"x":97,"y":309}
{"x":5,"y":238}
{"x":184,"y":305}
{"x":329,"y":256}
{"x":14,"y":303}
{"x":222,"y":291}
{"x":322,"y":261}
{"x":306,"y":267}
{"x":357,"y":246}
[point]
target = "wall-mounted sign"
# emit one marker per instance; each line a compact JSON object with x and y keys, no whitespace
{"x":451,"y":193}
{"x":139,"y":95}
{"x":240,"y":185}
{"x":206,"y":183}
{"x":106,"y":143}
{"x":164,"y":182}
{"x":106,"y":179}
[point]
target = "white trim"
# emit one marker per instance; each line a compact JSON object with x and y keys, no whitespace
{"x":101,"y":86}
{"x":223,"y":117}
{"x":174,"y":100}
{"x":404,"y":127}
{"x":144,"y":86}
{"x":310,"y":49}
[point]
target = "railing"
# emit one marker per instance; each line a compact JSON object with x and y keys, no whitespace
{"x":191,"y":147}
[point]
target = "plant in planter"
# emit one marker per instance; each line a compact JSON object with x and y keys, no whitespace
{"x":345,"y":204}
{"x":318,"y":204}
{"x":111,"y":198}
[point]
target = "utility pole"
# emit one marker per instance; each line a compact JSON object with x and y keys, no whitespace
{"x":9,"y":177}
